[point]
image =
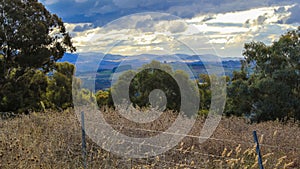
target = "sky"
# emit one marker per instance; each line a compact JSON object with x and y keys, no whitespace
{"x":134,"y":27}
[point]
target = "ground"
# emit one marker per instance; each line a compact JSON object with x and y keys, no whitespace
{"x":53,"y":140}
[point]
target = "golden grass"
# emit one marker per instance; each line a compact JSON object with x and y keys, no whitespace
{"x":53,"y":140}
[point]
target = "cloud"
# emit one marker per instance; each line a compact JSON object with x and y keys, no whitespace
{"x":173,"y":26}
{"x":50,"y":2}
{"x":133,"y":31}
{"x":82,"y":27}
{"x":101,"y":12}
{"x":103,"y":9}
{"x":224,"y":27}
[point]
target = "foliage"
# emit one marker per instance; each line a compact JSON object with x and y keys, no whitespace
{"x":238,"y":95}
{"x":31,"y":41}
{"x":104,"y":98}
{"x":24,"y":93}
{"x":30,"y":36}
{"x":205,"y":92}
{"x":150,"y":77}
{"x":59,"y":90}
{"x":36,"y":91}
{"x":206,"y":83}
{"x":272,"y":91}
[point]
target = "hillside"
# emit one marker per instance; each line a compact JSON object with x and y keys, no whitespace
{"x":53,"y":140}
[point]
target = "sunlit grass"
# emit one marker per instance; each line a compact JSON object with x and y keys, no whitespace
{"x":53,"y":140}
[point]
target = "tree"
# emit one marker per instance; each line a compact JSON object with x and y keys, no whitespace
{"x":31,"y":41}
{"x":150,"y":77}
{"x":30,"y":36}
{"x":59,"y":91}
{"x":272,"y":91}
{"x":26,"y":93}
{"x":104,"y":98}
{"x":205,"y":92}
{"x":238,"y":95}
{"x":211,"y":86}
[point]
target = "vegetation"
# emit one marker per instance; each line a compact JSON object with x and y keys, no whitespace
{"x":273,"y":90}
{"x":154,"y":75}
{"x":32,"y":40}
{"x":53,"y":140}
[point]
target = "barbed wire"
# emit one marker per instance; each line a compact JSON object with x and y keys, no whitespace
{"x":195,"y":136}
{"x":198,"y":137}
{"x":176,"y":150}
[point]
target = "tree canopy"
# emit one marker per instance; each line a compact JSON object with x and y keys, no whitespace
{"x":30,"y":36}
{"x":143,"y":84}
{"x":31,"y":41}
{"x":272,"y":91}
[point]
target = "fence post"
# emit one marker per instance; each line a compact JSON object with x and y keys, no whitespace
{"x":258,"y":150}
{"x":83,"y":141}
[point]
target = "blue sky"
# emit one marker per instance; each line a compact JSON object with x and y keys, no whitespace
{"x":184,"y":26}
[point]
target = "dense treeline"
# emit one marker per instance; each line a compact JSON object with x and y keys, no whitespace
{"x":35,"y":90}
{"x":32,"y":40}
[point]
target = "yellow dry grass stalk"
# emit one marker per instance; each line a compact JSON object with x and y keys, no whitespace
{"x":275,"y":133}
{"x":261,"y":139}
{"x":288,"y":165}
{"x":279,"y":161}
{"x":53,"y":140}
{"x":238,"y":150}
{"x":229,"y":153}
{"x":224,"y":152}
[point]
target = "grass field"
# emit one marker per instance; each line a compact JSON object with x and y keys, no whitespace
{"x":53,"y":140}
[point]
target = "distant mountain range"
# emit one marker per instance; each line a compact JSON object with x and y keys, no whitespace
{"x":110,"y":61}
{"x":110,"y":64}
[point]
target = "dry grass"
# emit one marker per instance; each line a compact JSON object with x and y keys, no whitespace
{"x":53,"y":140}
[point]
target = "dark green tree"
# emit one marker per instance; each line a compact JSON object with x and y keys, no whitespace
{"x":272,"y":90}
{"x":26,"y":93}
{"x":154,"y":75}
{"x":30,"y":36}
{"x":31,"y":41}
{"x":59,"y":91}
{"x":104,"y":98}
{"x":239,"y":101}
{"x":205,"y":92}
{"x":206,"y":83}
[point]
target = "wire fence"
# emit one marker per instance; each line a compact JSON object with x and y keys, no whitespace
{"x":198,"y":137}
{"x":187,"y":154}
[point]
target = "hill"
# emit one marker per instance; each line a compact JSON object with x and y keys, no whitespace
{"x":53,"y":140}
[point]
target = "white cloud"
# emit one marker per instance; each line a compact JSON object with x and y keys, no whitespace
{"x":50,"y":2}
{"x":173,"y":26}
{"x":222,"y":33}
{"x":241,"y":16}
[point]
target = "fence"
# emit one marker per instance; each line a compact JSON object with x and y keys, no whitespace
{"x":256,"y":161}
{"x":63,"y":147}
